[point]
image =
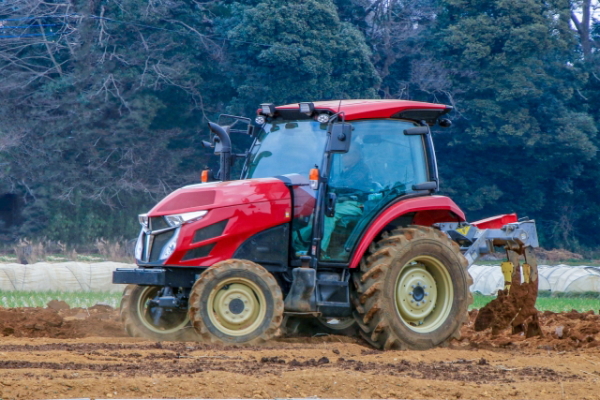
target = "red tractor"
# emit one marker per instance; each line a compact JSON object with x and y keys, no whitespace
{"x":334,"y":222}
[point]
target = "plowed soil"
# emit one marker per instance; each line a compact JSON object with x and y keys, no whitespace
{"x":72,"y":353}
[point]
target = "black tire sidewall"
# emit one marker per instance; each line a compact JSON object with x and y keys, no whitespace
{"x":455,"y":268}
{"x":218,"y":277}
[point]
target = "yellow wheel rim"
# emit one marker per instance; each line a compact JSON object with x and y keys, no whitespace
{"x":170,"y":322}
{"x":237,"y":306}
{"x":424,"y":294}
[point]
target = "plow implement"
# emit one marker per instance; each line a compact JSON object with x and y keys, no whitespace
{"x":515,"y":305}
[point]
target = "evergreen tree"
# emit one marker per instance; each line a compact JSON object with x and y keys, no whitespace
{"x":285,"y":51}
{"x":105,"y":111}
{"x":520,"y":141}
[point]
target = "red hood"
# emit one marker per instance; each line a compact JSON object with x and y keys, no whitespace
{"x":207,"y":196}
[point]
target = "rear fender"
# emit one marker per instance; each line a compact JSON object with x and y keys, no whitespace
{"x":424,"y":211}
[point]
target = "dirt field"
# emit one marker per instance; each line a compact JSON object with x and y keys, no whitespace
{"x":74,"y":353}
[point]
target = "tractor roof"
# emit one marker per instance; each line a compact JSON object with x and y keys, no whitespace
{"x":368,"y":109}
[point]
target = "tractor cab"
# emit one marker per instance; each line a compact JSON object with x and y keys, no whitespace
{"x":379,"y":161}
{"x":352,"y":158}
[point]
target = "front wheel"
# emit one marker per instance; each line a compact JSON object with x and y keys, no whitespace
{"x":236,"y":301}
{"x":141,"y":316}
{"x":412,"y":290}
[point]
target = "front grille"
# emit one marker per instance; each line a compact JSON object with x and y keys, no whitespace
{"x":158,"y":243}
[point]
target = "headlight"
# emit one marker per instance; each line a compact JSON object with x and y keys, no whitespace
{"x":169,"y":248}
{"x":143,"y":218}
{"x":179,"y":219}
{"x":139,"y":247}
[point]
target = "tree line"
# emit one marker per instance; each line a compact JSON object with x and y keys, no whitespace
{"x":104,"y":104}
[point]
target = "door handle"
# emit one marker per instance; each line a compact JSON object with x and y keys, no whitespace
{"x":330,"y":206}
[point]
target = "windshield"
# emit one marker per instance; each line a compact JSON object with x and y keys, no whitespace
{"x":287,"y":147}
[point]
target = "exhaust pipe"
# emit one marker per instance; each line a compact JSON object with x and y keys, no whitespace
{"x":223,"y":148}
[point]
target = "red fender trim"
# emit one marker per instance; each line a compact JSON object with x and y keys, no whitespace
{"x":496,"y":222}
{"x":428,"y":212}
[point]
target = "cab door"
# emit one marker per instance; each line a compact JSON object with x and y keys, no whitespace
{"x":381,"y":165}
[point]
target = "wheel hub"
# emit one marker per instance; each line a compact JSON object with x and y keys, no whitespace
{"x":236,"y":308}
{"x":416,"y":294}
{"x":419,"y":292}
{"x":156,"y":318}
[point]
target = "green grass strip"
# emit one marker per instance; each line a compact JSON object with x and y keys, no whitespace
{"x":11,"y":299}
{"x":555,"y":302}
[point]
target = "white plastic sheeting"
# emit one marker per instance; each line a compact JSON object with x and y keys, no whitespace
{"x":65,"y":277}
{"x":96,"y":277}
{"x":560,"y":278}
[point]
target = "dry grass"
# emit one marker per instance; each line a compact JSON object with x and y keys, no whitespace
{"x":557,"y":255}
{"x":115,"y":250}
{"x":27,"y":251}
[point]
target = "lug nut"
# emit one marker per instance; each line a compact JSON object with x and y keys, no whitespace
{"x":410,"y":294}
{"x":426,"y":293}
{"x":412,"y":286}
{"x":412,"y":301}
{"x":424,"y":301}
{"x":418,"y":303}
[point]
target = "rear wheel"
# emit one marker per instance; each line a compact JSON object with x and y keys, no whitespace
{"x":141,"y":317}
{"x":412,"y":290}
{"x":236,"y":301}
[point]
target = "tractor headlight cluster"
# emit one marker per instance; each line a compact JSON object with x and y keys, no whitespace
{"x":139,"y":247}
{"x":169,"y":248}
{"x":267,"y":109}
{"x":260,"y":120}
{"x":307,"y":108}
{"x":176,"y":220}
{"x":143,"y":218}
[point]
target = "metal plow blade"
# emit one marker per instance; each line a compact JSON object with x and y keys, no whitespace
{"x":515,"y":305}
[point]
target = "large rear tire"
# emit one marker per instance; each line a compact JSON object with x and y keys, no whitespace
{"x":412,"y":290}
{"x":236,"y":301}
{"x":141,"y":319}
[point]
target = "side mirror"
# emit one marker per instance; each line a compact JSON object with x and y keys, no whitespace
{"x":340,"y":138}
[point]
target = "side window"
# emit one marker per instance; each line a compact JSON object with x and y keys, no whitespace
{"x":382,"y":164}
